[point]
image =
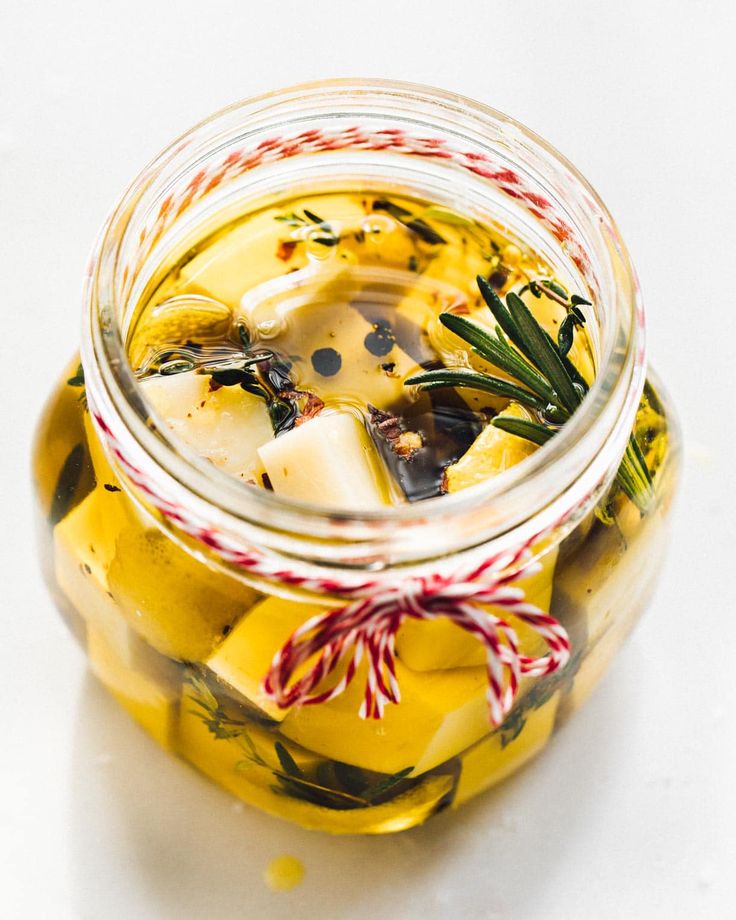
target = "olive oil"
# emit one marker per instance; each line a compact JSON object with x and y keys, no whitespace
{"x":324,"y":305}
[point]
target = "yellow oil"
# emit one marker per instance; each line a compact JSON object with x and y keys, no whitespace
{"x":342,"y":293}
{"x":284,"y":873}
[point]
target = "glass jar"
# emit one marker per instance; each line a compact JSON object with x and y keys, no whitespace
{"x":182,"y":584}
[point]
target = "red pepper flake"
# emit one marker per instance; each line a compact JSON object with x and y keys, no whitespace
{"x":403,"y":443}
{"x":312,"y":409}
{"x":286,"y":250}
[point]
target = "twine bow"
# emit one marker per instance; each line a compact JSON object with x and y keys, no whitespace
{"x":367,"y":627}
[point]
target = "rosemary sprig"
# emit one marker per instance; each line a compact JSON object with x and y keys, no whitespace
{"x":532,"y":431}
{"x":503,"y":357}
{"x":543,"y":378}
{"x":474,"y":380}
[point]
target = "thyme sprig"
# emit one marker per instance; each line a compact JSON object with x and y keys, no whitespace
{"x":418,"y":226}
{"x":543,"y":378}
{"x":257,"y":371}
{"x":328,"y":236}
{"x":335,"y":785}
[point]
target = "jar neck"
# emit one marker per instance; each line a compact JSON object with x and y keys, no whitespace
{"x":442,"y":147}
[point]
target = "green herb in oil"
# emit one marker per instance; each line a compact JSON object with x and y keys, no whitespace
{"x":545,"y":379}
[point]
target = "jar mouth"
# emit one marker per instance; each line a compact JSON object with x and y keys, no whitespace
{"x":557,"y":477}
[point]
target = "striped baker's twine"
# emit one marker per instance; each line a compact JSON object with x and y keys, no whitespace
{"x":508,"y":181}
{"x":366,"y":627}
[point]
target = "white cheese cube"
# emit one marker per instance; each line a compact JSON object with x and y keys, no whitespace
{"x":225,"y":425}
{"x":329,"y":460}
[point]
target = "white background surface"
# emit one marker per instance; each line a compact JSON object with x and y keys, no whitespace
{"x":632,"y":811}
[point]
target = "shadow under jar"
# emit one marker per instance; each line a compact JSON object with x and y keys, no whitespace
{"x":183,"y":582}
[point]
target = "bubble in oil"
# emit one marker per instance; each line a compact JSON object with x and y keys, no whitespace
{"x":270,"y":328}
{"x":175,"y":322}
{"x":321,"y":242}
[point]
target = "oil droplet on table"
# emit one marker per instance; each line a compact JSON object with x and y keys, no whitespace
{"x":284,"y":873}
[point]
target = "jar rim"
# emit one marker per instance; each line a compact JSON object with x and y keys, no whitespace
{"x":595,"y":434}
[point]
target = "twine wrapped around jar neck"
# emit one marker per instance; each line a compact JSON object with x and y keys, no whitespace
{"x":368,"y":624}
{"x":276,"y":541}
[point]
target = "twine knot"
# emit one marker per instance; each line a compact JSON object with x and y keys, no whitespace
{"x":367,"y":626}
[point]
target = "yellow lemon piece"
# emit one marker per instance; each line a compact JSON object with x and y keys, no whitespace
{"x":245,"y":256}
{"x":150,"y":695}
{"x":595,"y":664}
{"x":492,"y":452}
{"x":610,"y":604}
{"x":100,"y":463}
{"x":225,"y":760}
{"x":497,"y":757}
{"x":84,"y":547}
{"x":244,"y":657}
{"x":425,"y":645}
{"x":440,"y":714}
{"x":225,"y":425}
{"x":241,"y":256}
{"x":178,"y":604}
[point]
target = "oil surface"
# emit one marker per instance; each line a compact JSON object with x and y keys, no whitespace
{"x":339,"y":296}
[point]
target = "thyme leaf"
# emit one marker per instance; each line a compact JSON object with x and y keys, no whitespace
{"x":77,"y":380}
{"x":287,"y":761}
{"x":567,"y":332}
{"x":310,"y":215}
{"x":383,"y":786}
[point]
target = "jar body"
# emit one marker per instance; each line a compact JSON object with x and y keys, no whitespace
{"x":184,"y":647}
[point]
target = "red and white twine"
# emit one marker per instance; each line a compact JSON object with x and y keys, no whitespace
{"x":365,"y":628}
{"x":508,"y":181}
